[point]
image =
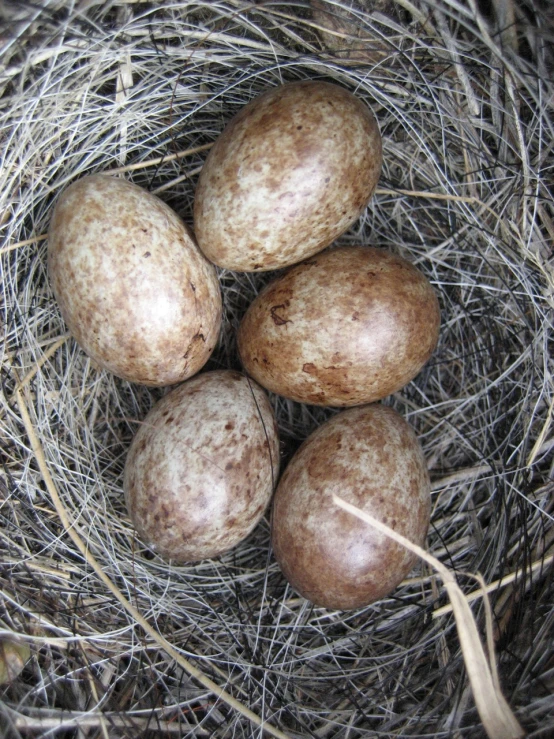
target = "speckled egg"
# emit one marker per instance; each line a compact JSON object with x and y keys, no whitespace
{"x":201,"y":469}
{"x":346,"y":327}
{"x":371,"y":458}
{"x":291,"y":172}
{"x":134,"y":289}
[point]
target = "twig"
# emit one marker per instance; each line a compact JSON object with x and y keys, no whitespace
{"x":93,"y":720}
{"x":176,"y":181}
{"x":90,"y":680}
{"x":159,"y":160}
{"x":469,"y":473}
{"x":40,"y":363}
{"x":497,"y":584}
{"x":26,"y":242}
{"x":540,"y":442}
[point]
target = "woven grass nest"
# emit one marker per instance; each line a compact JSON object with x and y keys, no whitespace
{"x":463,"y":94}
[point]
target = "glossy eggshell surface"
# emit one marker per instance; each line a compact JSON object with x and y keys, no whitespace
{"x":291,"y":172}
{"x":201,"y":469}
{"x":346,"y":327}
{"x":371,"y":458}
{"x":134,"y":289}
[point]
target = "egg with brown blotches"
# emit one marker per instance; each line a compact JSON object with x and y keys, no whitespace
{"x":370,"y":457}
{"x":201,"y":469}
{"x":133,"y":287}
{"x":291,"y":172}
{"x":346,"y":327}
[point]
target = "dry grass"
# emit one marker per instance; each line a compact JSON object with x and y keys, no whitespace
{"x":465,"y":109}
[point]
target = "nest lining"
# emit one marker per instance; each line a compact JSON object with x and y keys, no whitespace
{"x":467,"y":130}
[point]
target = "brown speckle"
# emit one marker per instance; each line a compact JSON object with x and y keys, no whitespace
{"x":278,"y":320}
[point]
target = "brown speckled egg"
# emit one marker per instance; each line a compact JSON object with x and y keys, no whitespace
{"x":345,"y":327}
{"x":371,"y":458}
{"x":201,"y":469}
{"x":291,"y":172}
{"x":134,"y":289}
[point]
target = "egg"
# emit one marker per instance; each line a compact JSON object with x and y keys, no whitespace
{"x":132,"y":285}
{"x":370,"y":457}
{"x":344,"y":328}
{"x":290,"y":172}
{"x":200,"y":471}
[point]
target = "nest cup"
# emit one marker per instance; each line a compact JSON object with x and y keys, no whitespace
{"x":461,"y":93}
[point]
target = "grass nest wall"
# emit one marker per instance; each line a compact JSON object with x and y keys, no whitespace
{"x":463,"y":96}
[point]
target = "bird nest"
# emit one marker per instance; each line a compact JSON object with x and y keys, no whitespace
{"x":124,"y":644}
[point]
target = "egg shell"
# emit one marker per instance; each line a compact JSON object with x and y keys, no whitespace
{"x":346,"y":327}
{"x":371,"y":458}
{"x":132,"y":285}
{"x":201,"y":469}
{"x":290,"y":172}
